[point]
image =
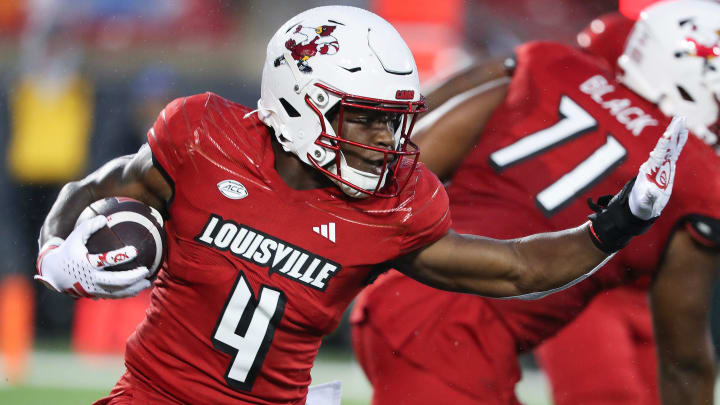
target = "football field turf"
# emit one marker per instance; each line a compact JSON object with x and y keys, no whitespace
{"x":59,"y":396}
{"x":60,"y":378}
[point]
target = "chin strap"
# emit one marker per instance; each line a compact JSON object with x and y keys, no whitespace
{"x":262,"y":111}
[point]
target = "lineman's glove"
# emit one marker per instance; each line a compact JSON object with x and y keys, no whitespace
{"x":654,"y":182}
{"x":638,"y":204}
{"x":66,"y":266}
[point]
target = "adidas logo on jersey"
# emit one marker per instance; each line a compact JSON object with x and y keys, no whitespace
{"x":265,"y":250}
{"x":326,"y":231}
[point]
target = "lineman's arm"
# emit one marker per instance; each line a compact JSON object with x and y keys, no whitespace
{"x":64,"y":264}
{"x":449,"y":131}
{"x":467,"y":79}
{"x":681,"y":298}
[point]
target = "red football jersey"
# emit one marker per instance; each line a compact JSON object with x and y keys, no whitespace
{"x":566,"y":132}
{"x":257,"y":272}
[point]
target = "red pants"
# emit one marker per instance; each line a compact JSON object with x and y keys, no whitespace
{"x":444,"y":349}
{"x":399,"y":381}
{"x":606,"y":356}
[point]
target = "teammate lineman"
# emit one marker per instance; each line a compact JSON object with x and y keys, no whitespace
{"x":624,"y":372}
{"x":557,"y":130}
{"x":249,"y":288}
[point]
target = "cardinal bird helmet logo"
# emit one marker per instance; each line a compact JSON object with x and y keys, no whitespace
{"x":699,"y":44}
{"x":307,"y":42}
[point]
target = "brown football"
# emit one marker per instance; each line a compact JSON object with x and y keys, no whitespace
{"x":130,"y":223}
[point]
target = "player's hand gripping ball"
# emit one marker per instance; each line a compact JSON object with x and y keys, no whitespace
{"x":117,"y":245}
{"x":129,"y":223}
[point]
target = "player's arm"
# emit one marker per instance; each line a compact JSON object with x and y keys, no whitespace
{"x":539,"y":264}
{"x":447,"y":133}
{"x":63,"y":264}
{"x":681,"y":297}
{"x":467,"y":79}
{"x":505,"y":268}
{"x":132,"y":176}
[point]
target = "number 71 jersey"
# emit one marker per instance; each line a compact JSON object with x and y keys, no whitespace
{"x":568,"y":131}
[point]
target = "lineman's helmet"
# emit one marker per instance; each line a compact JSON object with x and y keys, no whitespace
{"x":672,"y":58}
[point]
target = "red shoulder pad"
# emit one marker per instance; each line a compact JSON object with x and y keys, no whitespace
{"x":428,"y":214}
{"x":172,"y":133}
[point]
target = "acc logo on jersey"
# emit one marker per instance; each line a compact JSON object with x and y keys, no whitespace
{"x":306,"y":42}
{"x":232,"y":189}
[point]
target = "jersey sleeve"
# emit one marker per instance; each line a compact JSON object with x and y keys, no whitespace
{"x":171,"y":135}
{"x":429,"y":217}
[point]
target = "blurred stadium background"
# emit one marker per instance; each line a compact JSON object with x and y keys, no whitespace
{"x":81,"y":80}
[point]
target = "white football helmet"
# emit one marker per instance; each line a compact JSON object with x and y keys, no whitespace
{"x":330,"y":58}
{"x":672,"y":58}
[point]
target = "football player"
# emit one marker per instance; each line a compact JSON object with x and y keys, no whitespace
{"x":554,"y":127}
{"x":624,"y":372}
{"x":277,"y":217}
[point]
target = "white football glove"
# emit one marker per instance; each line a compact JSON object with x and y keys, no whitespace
{"x":654,"y":182}
{"x":66,"y":266}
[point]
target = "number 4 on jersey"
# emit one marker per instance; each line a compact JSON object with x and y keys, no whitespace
{"x":245,"y":330}
{"x":574,"y":121}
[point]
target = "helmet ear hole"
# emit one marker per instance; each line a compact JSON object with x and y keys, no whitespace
{"x":289,"y":109}
{"x":684,"y":94}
